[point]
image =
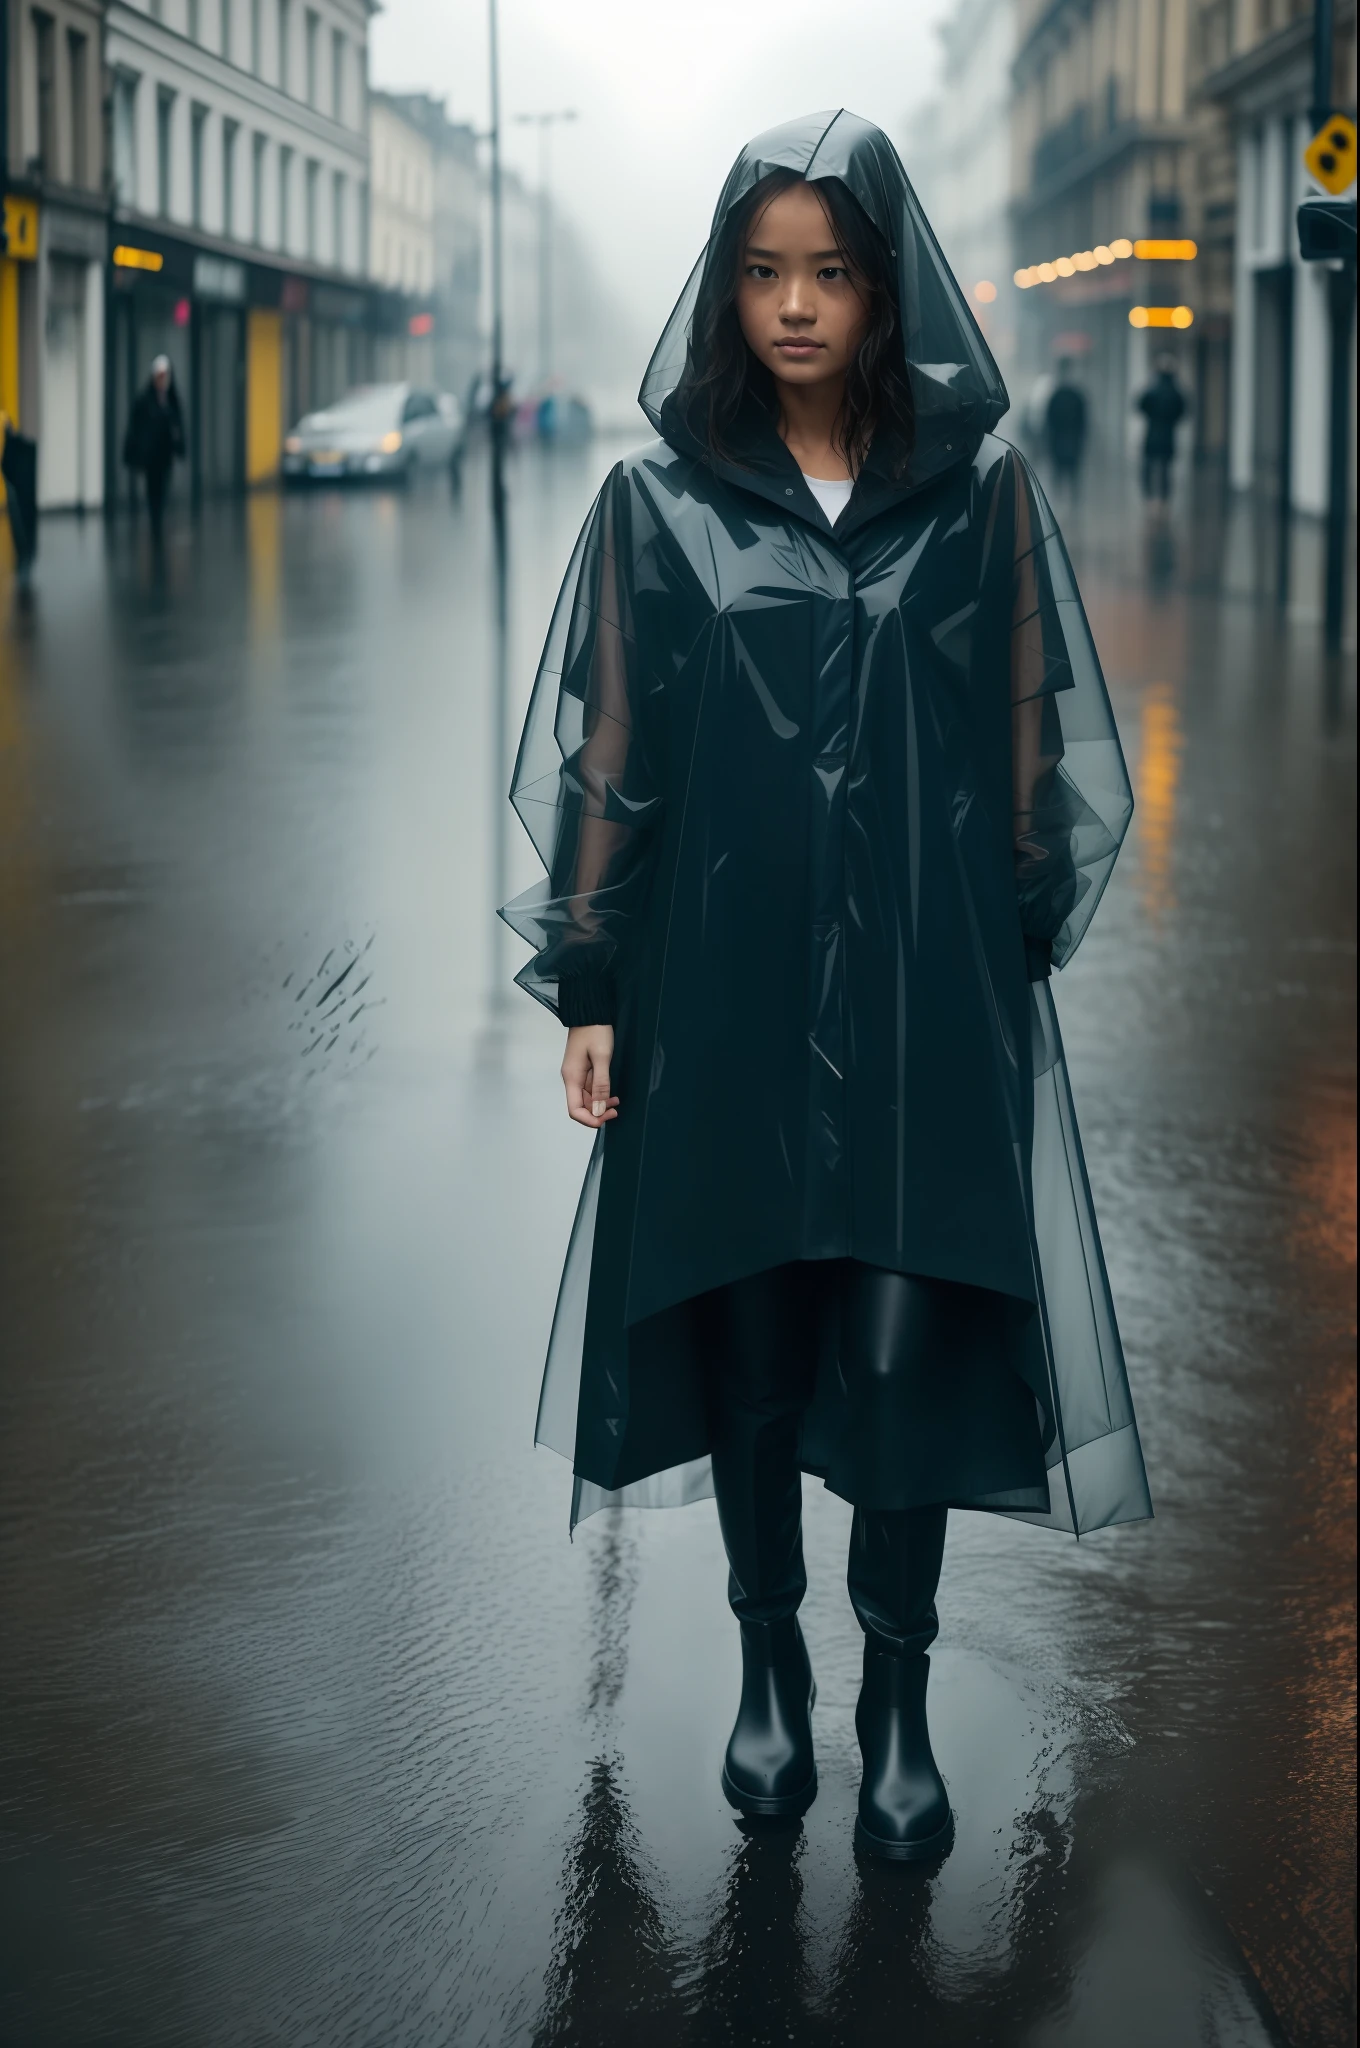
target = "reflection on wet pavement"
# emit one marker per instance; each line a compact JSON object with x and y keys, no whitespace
{"x":315,"y":1728}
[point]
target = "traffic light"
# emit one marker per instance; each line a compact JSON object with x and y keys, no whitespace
{"x":1326,"y":230}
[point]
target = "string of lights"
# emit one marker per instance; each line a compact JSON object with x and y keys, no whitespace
{"x":1146,"y":250}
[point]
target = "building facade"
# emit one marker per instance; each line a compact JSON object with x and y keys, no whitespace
{"x":239,"y":215}
{"x":401,"y":232}
{"x":1271,"y":382}
{"x":52,"y":279}
{"x":957,"y":150}
{"x":1102,"y":155}
{"x":455,"y":233}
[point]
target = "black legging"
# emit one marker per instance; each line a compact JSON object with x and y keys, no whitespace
{"x":763,"y":1365}
{"x":157,"y":484}
{"x":1156,"y":475}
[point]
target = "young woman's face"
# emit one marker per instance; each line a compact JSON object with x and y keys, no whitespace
{"x":800,"y":311}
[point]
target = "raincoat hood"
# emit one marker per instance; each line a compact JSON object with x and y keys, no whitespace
{"x":956,"y":384}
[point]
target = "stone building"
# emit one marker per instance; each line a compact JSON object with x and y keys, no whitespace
{"x":455,"y":230}
{"x":52,"y":279}
{"x":239,"y":175}
{"x":401,"y":229}
{"x":1267,"y":379}
{"x":1103,"y":157}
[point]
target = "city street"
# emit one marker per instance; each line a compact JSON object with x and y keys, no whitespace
{"x":315,"y":1728}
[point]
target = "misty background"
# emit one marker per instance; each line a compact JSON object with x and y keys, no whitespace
{"x":664,"y":100}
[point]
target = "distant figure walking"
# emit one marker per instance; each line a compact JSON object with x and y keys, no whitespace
{"x":19,"y":467}
{"x":1163,"y":406}
{"x":154,"y":438}
{"x":1065,"y":428}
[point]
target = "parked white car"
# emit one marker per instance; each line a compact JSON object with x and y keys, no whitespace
{"x":377,"y":430}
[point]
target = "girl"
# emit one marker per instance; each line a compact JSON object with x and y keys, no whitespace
{"x":823,"y":773}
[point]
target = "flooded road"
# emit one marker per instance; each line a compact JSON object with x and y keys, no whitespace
{"x":314,"y":1727}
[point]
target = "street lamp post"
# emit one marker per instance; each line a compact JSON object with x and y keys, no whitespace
{"x":499,"y":427}
{"x":497,"y":264}
{"x":1341,"y":314}
{"x":545,"y":123}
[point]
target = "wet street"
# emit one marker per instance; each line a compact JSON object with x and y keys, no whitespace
{"x":314,"y":1726}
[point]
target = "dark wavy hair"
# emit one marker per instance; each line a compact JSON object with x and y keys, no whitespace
{"x":721,"y":375}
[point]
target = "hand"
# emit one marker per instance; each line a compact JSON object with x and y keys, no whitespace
{"x":585,"y":1075}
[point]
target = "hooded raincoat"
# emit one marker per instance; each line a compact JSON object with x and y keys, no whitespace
{"x":818,"y":809}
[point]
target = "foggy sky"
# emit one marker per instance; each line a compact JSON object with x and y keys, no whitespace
{"x":665,"y":95}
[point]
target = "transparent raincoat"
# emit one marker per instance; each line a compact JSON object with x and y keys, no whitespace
{"x":818,"y":808}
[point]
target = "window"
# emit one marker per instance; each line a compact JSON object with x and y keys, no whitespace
{"x":285,"y":42}
{"x":125,"y":136}
{"x":224,"y":27}
{"x":313,"y":34}
{"x":256,"y":34}
{"x":310,"y":225}
{"x":77,"y":76}
{"x":338,"y":219}
{"x":157,"y":10}
{"x":45,"y":44}
{"x":230,"y":131}
{"x":198,"y":123}
{"x":285,"y":196}
{"x":195,"y":23}
{"x":363,"y":228}
{"x":337,"y":74}
{"x":257,"y":150}
{"x":165,"y":114}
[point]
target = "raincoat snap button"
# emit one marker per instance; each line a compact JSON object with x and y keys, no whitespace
{"x":789,"y":491}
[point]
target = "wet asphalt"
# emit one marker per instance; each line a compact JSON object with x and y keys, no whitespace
{"x":314,"y":1727}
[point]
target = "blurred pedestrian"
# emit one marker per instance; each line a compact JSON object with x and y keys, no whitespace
{"x":1065,"y":429}
{"x":155,"y":439}
{"x":800,"y":765}
{"x":1163,"y":406}
{"x":19,"y":467}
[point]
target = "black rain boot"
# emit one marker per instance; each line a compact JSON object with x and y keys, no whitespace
{"x":763,"y":1369}
{"x":895,"y":1563}
{"x":904,"y":1811}
{"x":769,"y":1771}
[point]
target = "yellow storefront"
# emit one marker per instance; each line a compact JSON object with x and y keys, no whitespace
{"x":21,"y":229}
{"x":264,"y":394}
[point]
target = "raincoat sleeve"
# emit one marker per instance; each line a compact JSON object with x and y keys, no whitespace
{"x":583,"y":786}
{"x":1071,"y":799}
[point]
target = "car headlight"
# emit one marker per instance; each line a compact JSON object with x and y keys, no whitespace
{"x":389,"y":444}
{"x":293,"y":445}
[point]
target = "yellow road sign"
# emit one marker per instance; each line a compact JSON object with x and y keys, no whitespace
{"x":1330,"y":156}
{"x":21,"y":226}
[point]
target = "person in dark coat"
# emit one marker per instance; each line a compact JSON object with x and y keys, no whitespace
{"x":19,"y":466}
{"x":822,"y":771}
{"x":155,"y":438}
{"x":1065,"y":429}
{"x":1163,"y":406}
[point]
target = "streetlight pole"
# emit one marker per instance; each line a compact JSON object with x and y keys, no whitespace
{"x":499,"y":426}
{"x":545,"y":122}
{"x":1341,"y":311}
{"x":497,"y":264}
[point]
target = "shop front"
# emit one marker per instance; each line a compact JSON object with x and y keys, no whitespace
{"x":253,"y":346}
{"x":71,"y":423}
